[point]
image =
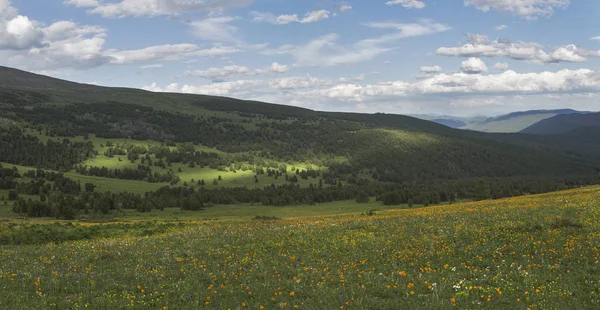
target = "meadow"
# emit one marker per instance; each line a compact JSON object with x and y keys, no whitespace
{"x":537,"y":252}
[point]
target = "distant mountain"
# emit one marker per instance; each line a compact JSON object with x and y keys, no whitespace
{"x":450,"y":121}
{"x":517,"y":121}
{"x":566,"y":123}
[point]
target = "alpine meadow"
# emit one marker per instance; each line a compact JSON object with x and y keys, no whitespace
{"x":293,"y":155}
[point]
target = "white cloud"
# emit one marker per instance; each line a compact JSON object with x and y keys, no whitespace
{"x":315,"y":16}
{"x":154,"y":66}
{"x":26,"y":44}
{"x":431,"y":69}
{"x":216,"y":51}
{"x":325,"y":51}
{"x":237,"y":87}
{"x":569,"y":53}
{"x":150,"y":8}
{"x":168,"y":52}
{"x":152,"y":53}
{"x":61,"y":30}
{"x":481,"y":46}
{"x":501,"y":27}
{"x":274,"y":68}
{"x":222,"y":72}
{"x":213,"y":73}
{"x":473,"y":65}
{"x":18,"y":32}
{"x":345,"y":8}
{"x":595,"y":38}
{"x":83,"y":3}
{"x":296,"y":82}
{"x":309,"y":17}
{"x":215,"y":29}
{"x":358,"y":78}
{"x":529,"y":9}
{"x":77,"y":52}
{"x":171,"y":88}
{"x":501,"y":66}
{"x":407,"y":30}
{"x":409,"y":4}
{"x":509,"y":82}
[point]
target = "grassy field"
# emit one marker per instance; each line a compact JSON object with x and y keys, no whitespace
{"x":538,"y":252}
{"x":244,"y":211}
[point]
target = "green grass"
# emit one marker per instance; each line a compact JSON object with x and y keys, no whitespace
{"x":538,"y":252}
{"x":246,"y":211}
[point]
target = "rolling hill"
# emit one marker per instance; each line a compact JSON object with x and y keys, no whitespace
{"x":131,"y":140}
{"x":561,"y":124}
{"x":517,"y":121}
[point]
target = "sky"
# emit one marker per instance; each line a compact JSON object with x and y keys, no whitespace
{"x":450,"y":57}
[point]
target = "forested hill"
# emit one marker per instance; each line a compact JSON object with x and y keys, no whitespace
{"x":562,"y":124}
{"x":141,"y":136}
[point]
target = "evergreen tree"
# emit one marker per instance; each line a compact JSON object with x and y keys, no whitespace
{"x":482,"y":190}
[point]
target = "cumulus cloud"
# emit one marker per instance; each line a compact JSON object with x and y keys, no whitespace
{"x":222,"y":72}
{"x":501,"y":27}
{"x":409,"y":4}
{"x":481,"y":46}
{"x":65,"y":44}
{"x":431,"y":69}
{"x":595,"y":38}
{"x":309,"y":17}
{"x":150,"y":8}
{"x":529,"y":9}
{"x":473,"y":65}
{"x":508,"y":82}
{"x":18,"y":32}
{"x":501,"y":66}
{"x":326,"y":51}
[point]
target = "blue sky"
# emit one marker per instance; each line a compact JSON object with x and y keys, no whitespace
{"x":456,"y":57}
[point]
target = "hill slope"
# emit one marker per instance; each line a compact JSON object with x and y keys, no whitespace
{"x":561,"y":124}
{"x":517,"y":121}
{"x":179,"y":139}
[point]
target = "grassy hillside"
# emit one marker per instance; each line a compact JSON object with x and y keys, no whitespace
{"x":528,"y":252}
{"x":562,"y":124}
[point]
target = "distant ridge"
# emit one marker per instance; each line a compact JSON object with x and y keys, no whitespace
{"x":517,"y":121}
{"x":565,"y":123}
